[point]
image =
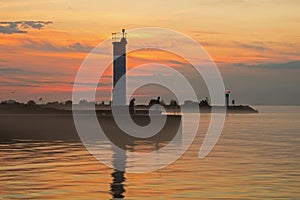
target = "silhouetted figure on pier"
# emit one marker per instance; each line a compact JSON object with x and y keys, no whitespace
{"x":157,"y":102}
{"x":131,"y":106}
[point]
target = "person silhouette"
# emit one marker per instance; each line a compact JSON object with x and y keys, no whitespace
{"x":131,"y":106}
{"x":157,"y":102}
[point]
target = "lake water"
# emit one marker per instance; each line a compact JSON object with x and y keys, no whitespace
{"x":256,"y":157}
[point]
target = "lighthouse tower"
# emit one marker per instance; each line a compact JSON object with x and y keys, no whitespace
{"x":227,"y":93}
{"x":119,"y":69}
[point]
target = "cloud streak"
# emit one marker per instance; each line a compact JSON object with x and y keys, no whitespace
{"x":255,"y":47}
{"x":18,"y":27}
{"x":28,"y":78}
{"x":292,"y":65}
{"x":47,"y":46}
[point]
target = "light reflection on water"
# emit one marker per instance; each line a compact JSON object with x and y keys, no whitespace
{"x":257,"y":157}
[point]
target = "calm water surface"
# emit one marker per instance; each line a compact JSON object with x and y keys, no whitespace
{"x":256,"y":157}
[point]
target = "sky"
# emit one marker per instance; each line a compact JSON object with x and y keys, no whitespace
{"x":254,"y":43}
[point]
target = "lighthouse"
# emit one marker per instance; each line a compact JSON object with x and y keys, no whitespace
{"x":119,"y":69}
{"x":227,"y":93}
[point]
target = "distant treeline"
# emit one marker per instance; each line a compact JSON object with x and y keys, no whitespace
{"x":172,"y":106}
{"x":103,"y":104}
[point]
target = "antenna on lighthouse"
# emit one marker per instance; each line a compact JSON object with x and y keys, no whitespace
{"x":123,"y":32}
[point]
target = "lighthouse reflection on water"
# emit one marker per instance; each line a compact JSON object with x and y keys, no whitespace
{"x":123,"y":142}
{"x":119,"y":99}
